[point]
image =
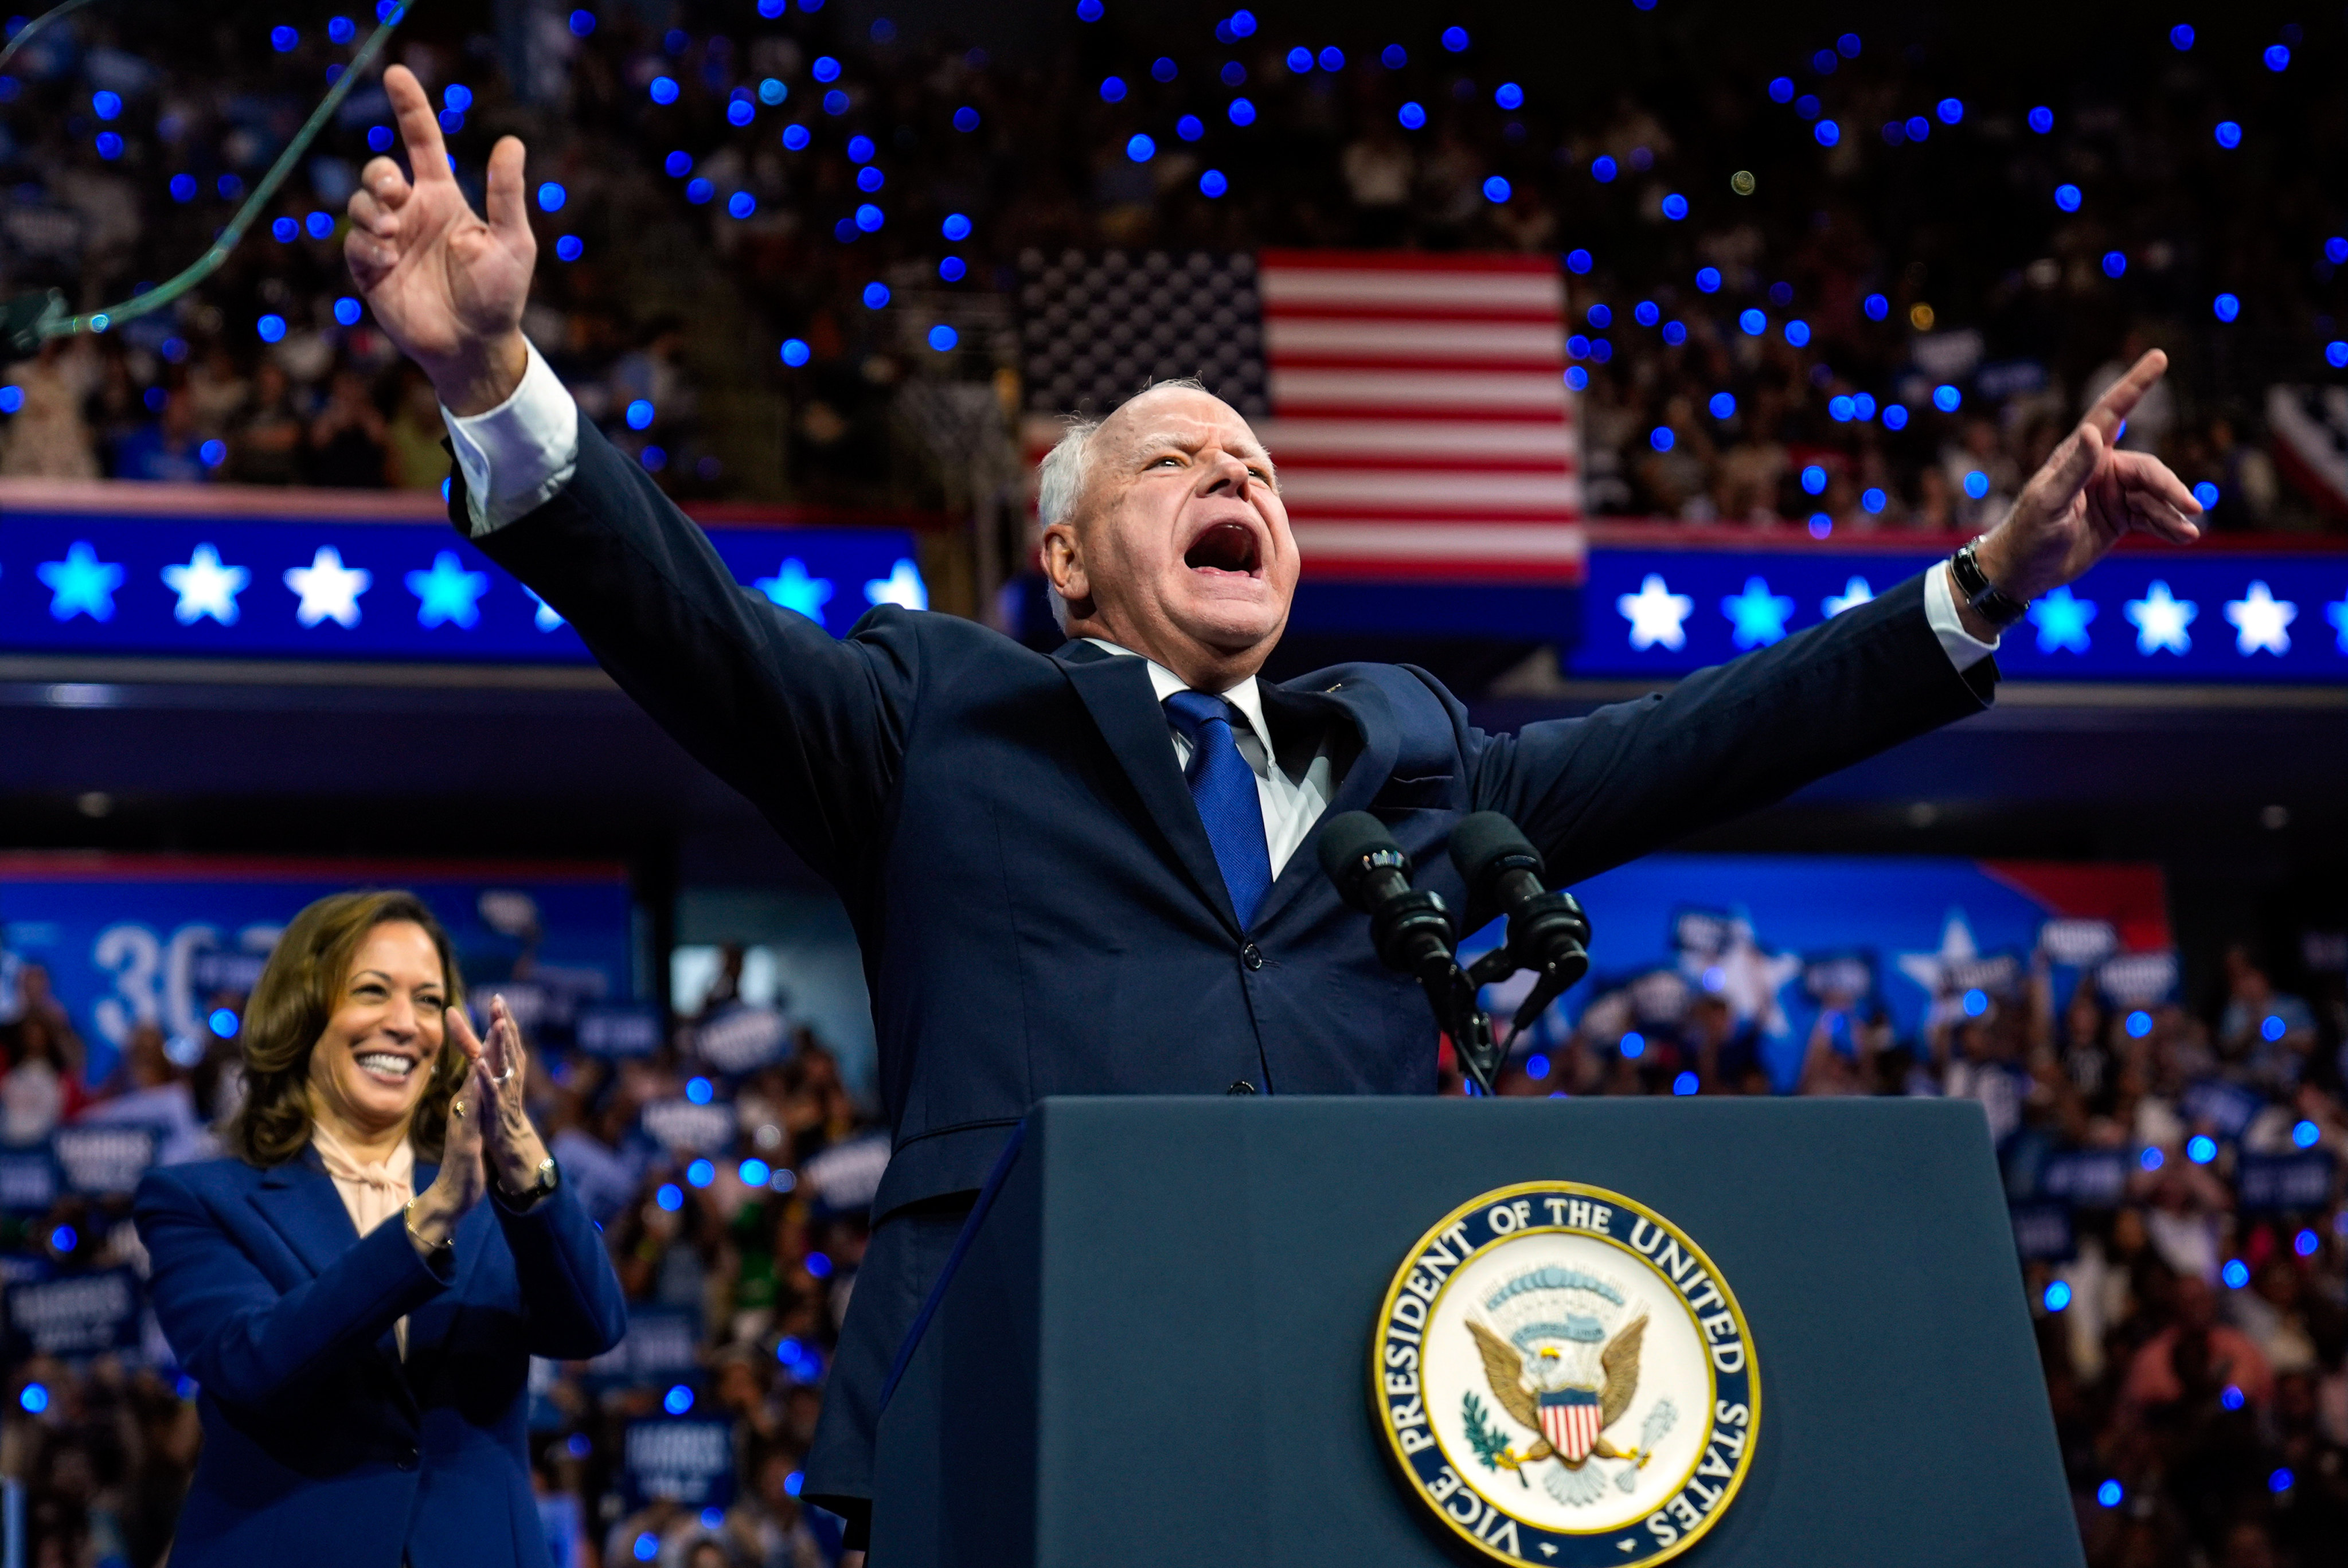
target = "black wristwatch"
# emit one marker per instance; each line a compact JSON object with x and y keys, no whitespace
{"x":1991,"y":603}
{"x":538,"y":1188}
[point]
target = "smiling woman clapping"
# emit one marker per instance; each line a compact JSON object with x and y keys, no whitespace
{"x":357,"y":1293}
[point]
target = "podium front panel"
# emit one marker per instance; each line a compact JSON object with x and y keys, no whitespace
{"x":1157,"y":1352}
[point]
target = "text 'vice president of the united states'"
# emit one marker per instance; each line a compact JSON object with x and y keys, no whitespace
{"x":1080,"y":872}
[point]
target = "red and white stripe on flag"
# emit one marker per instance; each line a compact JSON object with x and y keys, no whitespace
{"x":1421,"y":423}
{"x":1571,"y":1428}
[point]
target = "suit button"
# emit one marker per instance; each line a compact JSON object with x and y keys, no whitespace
{"x":408,"y":1458}
{"x":1251,"y":956}
{"x":1241,"y":1086}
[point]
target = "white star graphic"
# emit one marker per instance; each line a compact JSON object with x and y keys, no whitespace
{"x":1854,"y":594}
{"x":2258,"y":619}
{"x":902,"y":586}
{"x":2160,"y":620}
{"x":1749,"y":978}
{"x":329,"y":591}
{"x":546,"y":615}
{"x":1656,"y":612}
{"x":1929,"y":969}
{"x":206,"y":587}
{"x":791,"y":588}
{"x":2337,"y":613}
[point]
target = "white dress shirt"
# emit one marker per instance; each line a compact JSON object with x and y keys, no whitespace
{"x":517,"y":454}
{"x":1290,"y":805}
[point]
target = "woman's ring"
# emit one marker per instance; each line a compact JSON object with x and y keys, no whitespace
{"x":505,"y":1077}
{"x":456,"y":1108}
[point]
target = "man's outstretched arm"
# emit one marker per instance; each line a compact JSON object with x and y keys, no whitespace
{"x":1595,"y":792}
{"x":806,"y":726}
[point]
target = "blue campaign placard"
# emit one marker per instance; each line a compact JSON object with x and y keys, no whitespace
{"x":2200,"y":615}
{"x":227,"y":585}
{"x":133,"y":939}
{"x":74,"y":1315}
{"x":689,"y":1463}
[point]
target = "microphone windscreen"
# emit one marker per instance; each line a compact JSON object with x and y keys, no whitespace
{"x":1344,"y":840}
{"x":1481,"y":840}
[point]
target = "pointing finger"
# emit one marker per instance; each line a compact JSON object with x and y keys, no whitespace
{"x":428,"y":155}
{"x":2112,"y":409}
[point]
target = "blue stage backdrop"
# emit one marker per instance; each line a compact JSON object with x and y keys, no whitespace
{"x":2204,"y":615}
{"x":167,"y":940}
{"x":318,"y":576}
{"x":1771,"y":933}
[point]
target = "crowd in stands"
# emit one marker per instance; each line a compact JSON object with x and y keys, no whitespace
{"x":1858,"y":277}
{"x":2194,"y":1340}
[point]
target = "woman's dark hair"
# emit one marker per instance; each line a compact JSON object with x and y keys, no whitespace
{"x":298,"y":991}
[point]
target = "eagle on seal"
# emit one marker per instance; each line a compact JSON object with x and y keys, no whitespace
{"x":1542,"y":1390}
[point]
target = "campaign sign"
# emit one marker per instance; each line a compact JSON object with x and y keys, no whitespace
{"x":1783,"y":939}
{"x":741,"y":1039}
{"x":28,"y":1181}
{"x":81,"y":1314}
{"x":2042,"y":1231}
{"x":133,"y":939}
{"x":848,"y":1175}
{"x":662,"y":1345}
{"x":2224,"y":1107}
{"x":681,"y":1127}
{"x":103,"y":1161}
{"x":623,"y":1030}
{"x":2284,"y":1181}
{"x":689,"y":1463}
{"x":2087,"y":1178}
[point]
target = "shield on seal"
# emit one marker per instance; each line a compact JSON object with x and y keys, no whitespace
{"x":1569,"y":1421}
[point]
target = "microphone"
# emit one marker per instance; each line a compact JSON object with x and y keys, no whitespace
{"x":1412,"y":931}
{"x":1547,"y":932}
{"x":1411,"y":928}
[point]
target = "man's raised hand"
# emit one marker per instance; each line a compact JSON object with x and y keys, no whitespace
{"x":2089,"y":493}
{"x":447,"y":286}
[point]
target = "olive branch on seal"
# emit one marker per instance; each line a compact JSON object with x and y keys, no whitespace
{"x":1490,"y":1443}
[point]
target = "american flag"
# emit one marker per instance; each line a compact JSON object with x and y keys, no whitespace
{"x":1416,"y":404}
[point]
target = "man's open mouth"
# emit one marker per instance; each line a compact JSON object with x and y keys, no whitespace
{"x":388,"y":1066}
{"x":1225,"y":547}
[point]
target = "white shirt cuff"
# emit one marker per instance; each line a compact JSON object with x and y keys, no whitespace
{"x":516,"y":455}
{"x":1964,"y":649}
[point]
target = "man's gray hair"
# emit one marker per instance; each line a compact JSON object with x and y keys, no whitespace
{"x":1067,"y":469}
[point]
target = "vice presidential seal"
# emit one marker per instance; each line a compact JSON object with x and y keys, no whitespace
{"x":1563,"y":1377}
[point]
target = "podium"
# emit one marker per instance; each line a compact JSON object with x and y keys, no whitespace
{"x":1157,"y":1349}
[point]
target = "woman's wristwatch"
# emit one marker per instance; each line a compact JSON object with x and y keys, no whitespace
{"x":540,"y":1185}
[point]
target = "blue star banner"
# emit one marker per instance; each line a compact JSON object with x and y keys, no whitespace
{"x":1788,"y":941}
{"x":339,"y":587}
{"x":2203,"y":615}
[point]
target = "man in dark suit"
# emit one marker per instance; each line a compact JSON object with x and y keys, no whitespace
{"x":1081,"y":873}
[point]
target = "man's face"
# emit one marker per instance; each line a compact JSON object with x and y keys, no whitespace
{"x":1179,"y":548}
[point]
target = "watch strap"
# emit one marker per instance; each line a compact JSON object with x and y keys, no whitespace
{"x":1989,"y":602}
{"x":540,"y":1185}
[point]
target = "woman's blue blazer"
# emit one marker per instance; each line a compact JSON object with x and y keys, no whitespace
{"x":321,"y":1445}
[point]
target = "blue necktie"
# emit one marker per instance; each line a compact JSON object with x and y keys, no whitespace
{"x":1223,"y":786}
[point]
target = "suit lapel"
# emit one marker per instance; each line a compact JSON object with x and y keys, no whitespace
{"x":1116,"y":692}
{"x":1362,"y":708}
{"x":299,"y":1201}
